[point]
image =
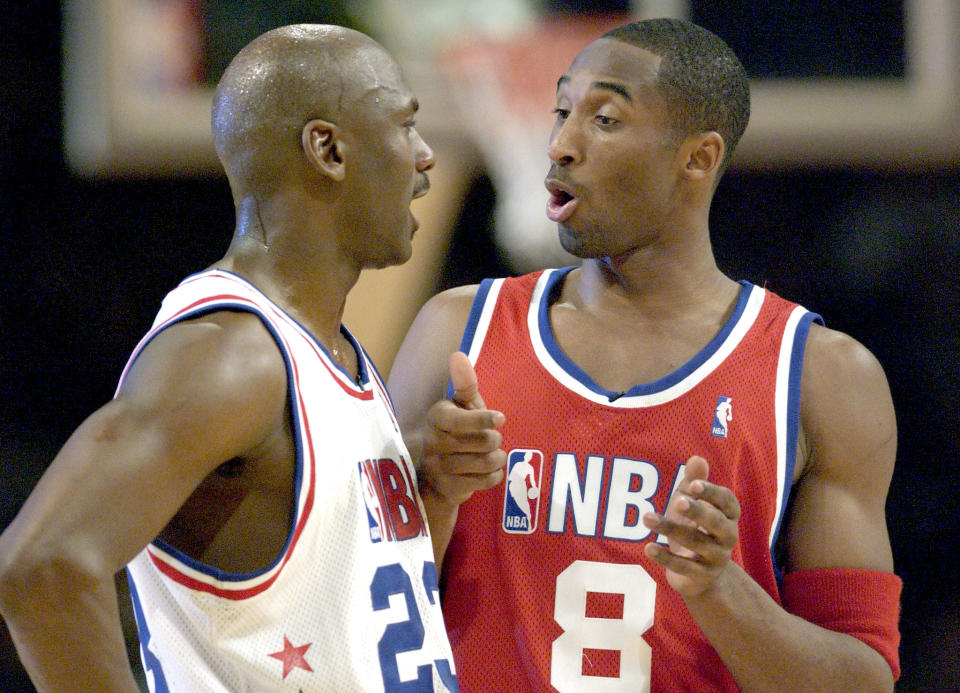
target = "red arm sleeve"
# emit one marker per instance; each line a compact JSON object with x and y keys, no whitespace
{"x":861,"y":603}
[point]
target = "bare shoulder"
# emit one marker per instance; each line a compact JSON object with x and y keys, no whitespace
{"x":452,"y":303}
{"x":839,"y":371}
{"x":201,"y":392}
{"x":213,"y":347}
{"x":848,"y":448}
{"x":438,"y":326}
{"x":846,"y":407}
{"x":219,"y":367}
{"x":419,"y":374}
{"x":833,"y":352}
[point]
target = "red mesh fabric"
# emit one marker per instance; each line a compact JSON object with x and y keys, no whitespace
{"x":861,"y":603}
{"x":518,"y":606}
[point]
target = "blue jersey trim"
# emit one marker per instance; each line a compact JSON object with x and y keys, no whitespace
{"x":362,"y":376}
{"x":794,"y":380}
{"x":151,"y":664}
{"x":193,"y":563}
{"x":473,"y":320}
{"x":669,"y":380}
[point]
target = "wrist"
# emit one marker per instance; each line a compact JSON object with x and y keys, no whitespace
{"x":436,"y":499}
{"x":717,"y":590}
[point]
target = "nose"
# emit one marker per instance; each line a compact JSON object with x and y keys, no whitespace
{"x":426,"y":159}
{"x":562,"y":149}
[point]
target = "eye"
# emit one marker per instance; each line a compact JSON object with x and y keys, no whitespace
{"x":561,"y":113}
{"x":605,"y":120}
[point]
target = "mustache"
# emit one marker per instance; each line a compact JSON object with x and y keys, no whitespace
{"x":559,"y":178}
{"x":423,"y":187}
{"x":559,"y":174}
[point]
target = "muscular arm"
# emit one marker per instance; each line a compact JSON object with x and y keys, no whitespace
{"x":452,"y":442}
{"x":836,"y":520}
{"x":202,"y":392}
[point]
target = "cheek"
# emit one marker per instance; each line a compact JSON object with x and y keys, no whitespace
{"x":387,"y":189}
{"x":396,"y":173}
{"x":631,"y":170}
{"x":635,"y":182}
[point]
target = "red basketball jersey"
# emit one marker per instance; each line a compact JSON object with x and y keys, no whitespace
{"x":546,"y":580}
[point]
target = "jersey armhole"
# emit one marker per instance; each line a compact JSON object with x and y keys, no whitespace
{"x":478,"y":321}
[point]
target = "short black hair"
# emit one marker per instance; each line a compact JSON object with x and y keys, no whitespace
{"x":700,"y":78}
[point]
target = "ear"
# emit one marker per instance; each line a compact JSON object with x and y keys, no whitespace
{"x":324,"y":148}
{"x":702,"y":155}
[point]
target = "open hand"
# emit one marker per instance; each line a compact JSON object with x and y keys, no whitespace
{"x":700,"y":523}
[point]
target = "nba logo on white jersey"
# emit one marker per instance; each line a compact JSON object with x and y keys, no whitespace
{"x":522,"y":494}
{"x":722,"y":416}
{"x":374,"y":509}
{"x":393,"y":513}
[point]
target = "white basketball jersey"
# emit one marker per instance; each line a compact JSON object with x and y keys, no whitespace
{"x":352,"y":602}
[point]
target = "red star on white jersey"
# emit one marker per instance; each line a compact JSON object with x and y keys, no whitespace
{"x":292,"y":657}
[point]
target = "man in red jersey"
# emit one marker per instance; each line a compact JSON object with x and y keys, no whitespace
{"x":710,"y":464}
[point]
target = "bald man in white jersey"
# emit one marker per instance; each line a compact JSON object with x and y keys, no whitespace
{"x":250,"y":471}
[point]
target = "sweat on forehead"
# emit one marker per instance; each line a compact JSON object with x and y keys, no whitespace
{"x":292,"y":74}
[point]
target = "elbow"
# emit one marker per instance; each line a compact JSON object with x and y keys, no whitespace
{"x":31,"y":579}
{"x":879,"y":681}
{"x":12,"y":575}
{"x":883,"y":678}
{"x":870,"y":671}
{"x":879,"y":670}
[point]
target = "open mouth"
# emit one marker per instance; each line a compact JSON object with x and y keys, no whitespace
{"x":561,"y":203}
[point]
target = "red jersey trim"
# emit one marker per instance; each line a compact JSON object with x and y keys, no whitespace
{"x":194,"y":574}
{"x":343,"y":380}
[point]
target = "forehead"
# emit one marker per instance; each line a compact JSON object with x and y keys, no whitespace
{"x":612,"y":62}
{"x":376,"y":79}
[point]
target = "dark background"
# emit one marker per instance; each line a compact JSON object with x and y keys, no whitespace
{"x":84,"y":264}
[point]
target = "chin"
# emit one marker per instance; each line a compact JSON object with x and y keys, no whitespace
{"x":586,"y":244}
{"x":403,"y":257}
{"x":572,"y":244}
{"x":398,"y":257}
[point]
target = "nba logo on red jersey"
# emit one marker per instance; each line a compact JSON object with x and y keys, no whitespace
{"x":722,"y":416}
{"x":521,"y":498}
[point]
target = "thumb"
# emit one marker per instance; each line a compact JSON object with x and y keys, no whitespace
{"x":696,"y":468}
{"x":463,"y":378}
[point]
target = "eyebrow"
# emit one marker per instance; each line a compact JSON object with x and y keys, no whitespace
{"x":609,"y":86}
{"x":410,"y":108}
{"x":409,"y":105}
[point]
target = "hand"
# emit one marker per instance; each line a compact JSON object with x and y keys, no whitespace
{"x":700,"y":524}
{"x":461,"y":446}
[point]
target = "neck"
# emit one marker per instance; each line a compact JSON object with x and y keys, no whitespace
{"x":292,"y":256}
{"x":658,"y":280}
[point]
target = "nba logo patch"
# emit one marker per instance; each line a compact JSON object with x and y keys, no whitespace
{"x":722,"y":416}
{"x":521,"y":498}
{"x":372,"y":500}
